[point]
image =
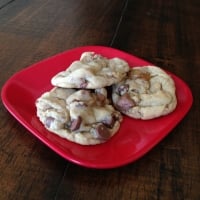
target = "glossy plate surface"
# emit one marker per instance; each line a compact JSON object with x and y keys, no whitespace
{"x":135,"y":137}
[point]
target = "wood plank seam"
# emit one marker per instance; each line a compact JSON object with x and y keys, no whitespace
{"x":119,"y":22}
{"x":7,"y":3}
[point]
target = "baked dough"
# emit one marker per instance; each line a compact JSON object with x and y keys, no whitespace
{"x":91,"y":71}
{"x":82,"y":116}
{"x":146,"y":93}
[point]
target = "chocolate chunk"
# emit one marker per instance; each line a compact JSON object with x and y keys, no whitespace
{"x":78,"y":103}
{"x":75,"y":124}
{"x":109,"y":121}
{"x":83,"y":83}
{"x":141,"y":75}
{"x":125,"y":103}
{"x":102,"y":132}
{"x":122,"y":89}
{"x":48,"y":121}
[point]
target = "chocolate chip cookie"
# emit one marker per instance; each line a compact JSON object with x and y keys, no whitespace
{"x":82,"y":116}
{"x":146,"y":93}
{"x":91,"y":71}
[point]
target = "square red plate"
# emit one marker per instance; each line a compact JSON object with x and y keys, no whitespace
{"x":135,"y":137}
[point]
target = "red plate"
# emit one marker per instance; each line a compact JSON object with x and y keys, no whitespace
{"x":135,"y":137}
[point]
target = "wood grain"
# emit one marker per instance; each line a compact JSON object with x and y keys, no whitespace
{"x":165,"y":33}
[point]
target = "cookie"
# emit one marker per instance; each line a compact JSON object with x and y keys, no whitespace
{"x":146,"y":93}
{"x":82,"y":116}
{"x":91,"y":71}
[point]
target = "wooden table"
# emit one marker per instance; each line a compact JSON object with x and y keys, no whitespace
{"x":165,"y":33}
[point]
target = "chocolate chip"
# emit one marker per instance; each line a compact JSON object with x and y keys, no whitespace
{"x":109,"y":121}
{"x":122,"y":89}
{"x":102,"y":132}
{"x":48,"y":121}
{"x":75,"y":124}
{"x":83,"y":83}
{"x":125,"y":102}
{"x":146,"y":76}
{"x":78,"y":103}
{"x":140,"y":74}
